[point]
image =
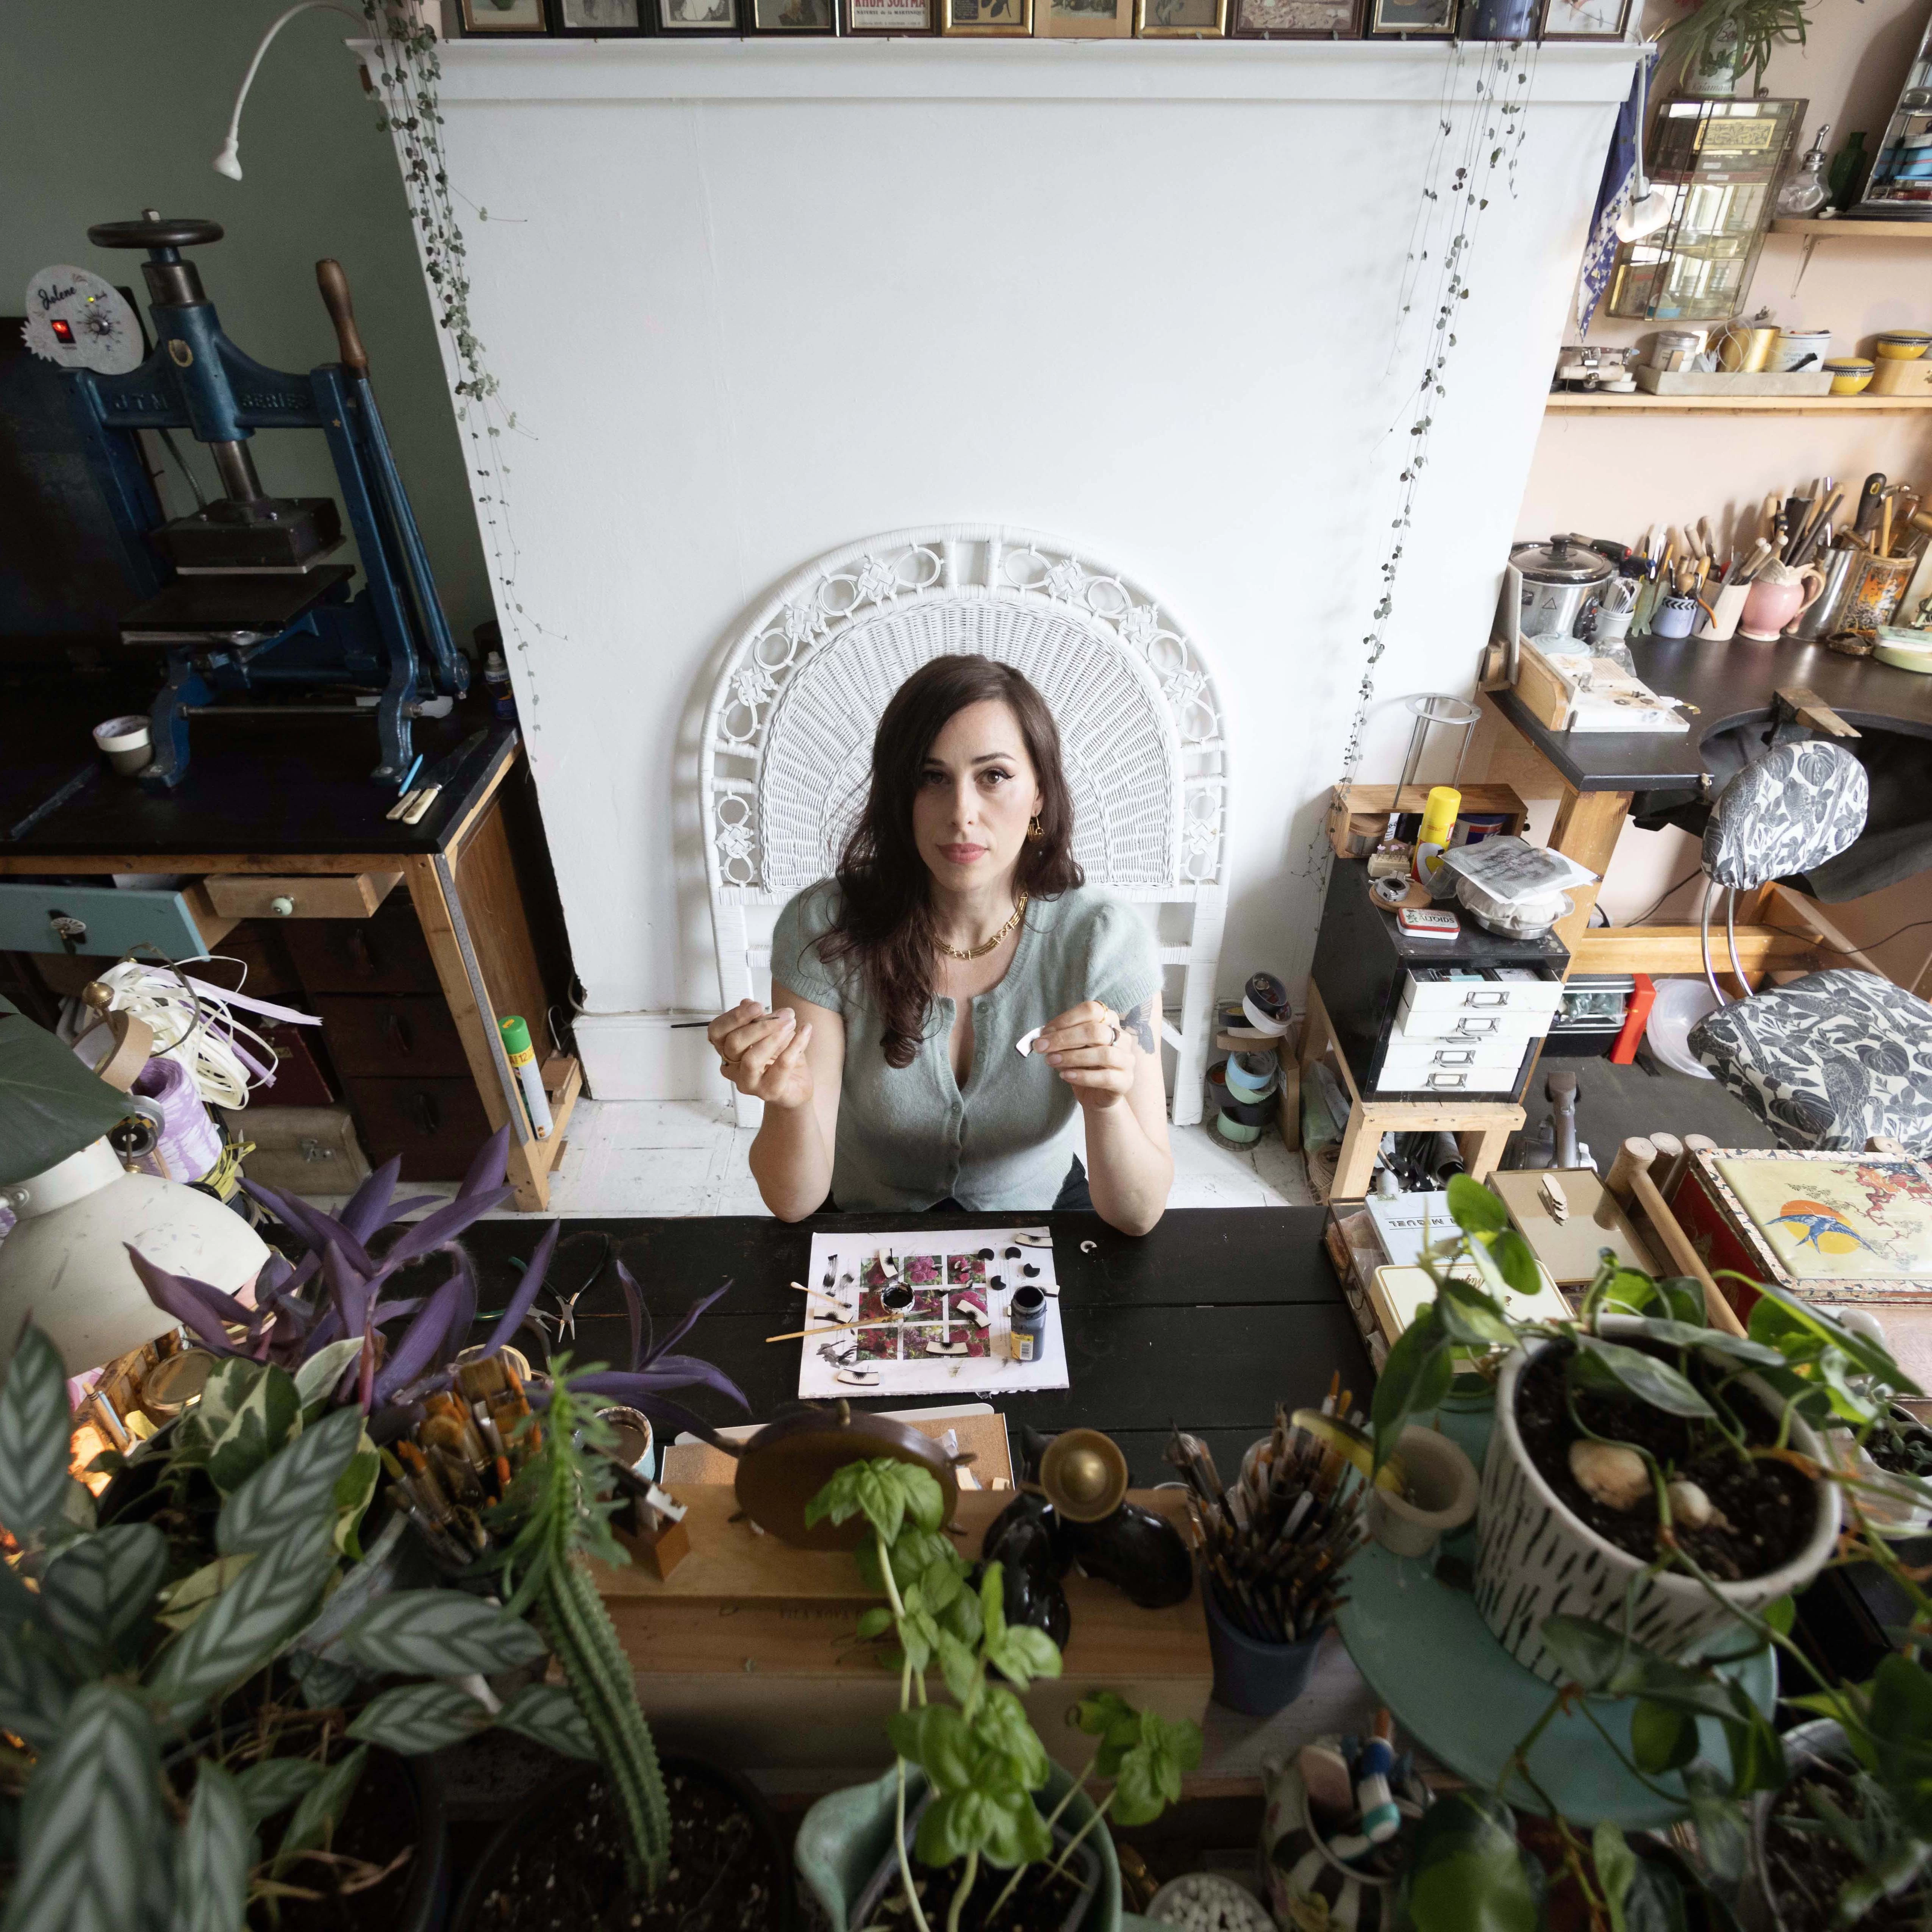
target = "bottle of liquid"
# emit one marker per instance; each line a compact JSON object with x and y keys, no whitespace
{"x":496,"y":683}
{"x":1804,"y":192}
{"x":1846,"y":175}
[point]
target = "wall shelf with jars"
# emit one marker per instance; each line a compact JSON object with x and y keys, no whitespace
{"x":1720,"y":158}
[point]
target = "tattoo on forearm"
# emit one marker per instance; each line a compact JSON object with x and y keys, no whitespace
{"x":1140,"y":1024}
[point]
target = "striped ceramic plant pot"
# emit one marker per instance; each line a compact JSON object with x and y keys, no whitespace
{"x":1535,"y":1559}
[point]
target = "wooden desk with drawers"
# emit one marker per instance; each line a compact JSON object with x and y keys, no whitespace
{"x":410,"y":942}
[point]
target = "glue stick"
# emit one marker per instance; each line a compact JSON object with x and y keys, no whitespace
{"x":523,"y":1058}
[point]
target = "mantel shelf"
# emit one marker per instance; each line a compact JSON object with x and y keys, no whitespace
{"x":1599,"y":405}
{"x":1859,"y":231}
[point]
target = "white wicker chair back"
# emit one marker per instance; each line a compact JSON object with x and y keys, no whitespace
{"x":788,"y":739}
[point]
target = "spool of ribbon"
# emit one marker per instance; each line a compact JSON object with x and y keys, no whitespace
{"x":1231,"y":1129}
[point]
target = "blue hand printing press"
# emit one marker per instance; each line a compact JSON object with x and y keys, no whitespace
{"x":244,"y":604}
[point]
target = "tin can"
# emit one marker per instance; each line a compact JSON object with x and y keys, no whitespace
{"x":1822,"y":616}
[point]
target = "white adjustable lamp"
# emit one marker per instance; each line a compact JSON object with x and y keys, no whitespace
{"x":1648,"y":208}
{"x":228,"y":157}
{"x":65,"y":1263}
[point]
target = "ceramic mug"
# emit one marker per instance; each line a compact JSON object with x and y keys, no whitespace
{"x":1720,"y":623}
{"x":1776,"y":598}
{"x":1673,"y":617}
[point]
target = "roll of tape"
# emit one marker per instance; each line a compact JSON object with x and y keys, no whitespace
{"x":1244,"y":1084}
{"x":1268,"y":993}
{"x":1231,"y":1129}
{"x":1262,"y":1022}
{"x":1249,"y":1113}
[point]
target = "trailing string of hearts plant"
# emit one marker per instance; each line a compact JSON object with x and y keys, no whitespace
{"x":1477,"y":149}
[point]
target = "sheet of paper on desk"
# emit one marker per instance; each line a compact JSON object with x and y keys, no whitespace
{"x":938,"y":1346}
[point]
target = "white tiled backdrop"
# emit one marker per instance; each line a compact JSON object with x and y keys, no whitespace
{"x":685,"y":1157}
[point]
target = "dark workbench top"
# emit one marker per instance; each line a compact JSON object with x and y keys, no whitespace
{"x":1730,"y":684}
{"x":1207,"y":1322}
{"x":254,"y":786}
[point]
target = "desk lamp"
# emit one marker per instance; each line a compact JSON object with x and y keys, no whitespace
{"x":66,"y":1261}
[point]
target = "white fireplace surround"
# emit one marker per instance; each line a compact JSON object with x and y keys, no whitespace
{"x":747,"y":298}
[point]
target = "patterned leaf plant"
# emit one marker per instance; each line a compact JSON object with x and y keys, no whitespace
{"x":120,"y":1646}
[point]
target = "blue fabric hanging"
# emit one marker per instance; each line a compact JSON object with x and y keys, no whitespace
{"x":1613,"y":191}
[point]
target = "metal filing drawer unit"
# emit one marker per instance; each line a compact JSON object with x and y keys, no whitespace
{"x":1422,"y":1019}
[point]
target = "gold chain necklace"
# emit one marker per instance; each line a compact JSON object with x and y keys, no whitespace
{"x":985,"y":946}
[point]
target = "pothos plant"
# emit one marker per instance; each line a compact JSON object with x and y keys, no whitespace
{"x":982,"y":1759}
{"x":1466,"y":1865}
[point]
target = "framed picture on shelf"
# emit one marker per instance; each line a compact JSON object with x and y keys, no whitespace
{"x":502,"y":17}
{"x":697,"y":16}
{"x":1083,"y":19}
{"x":1297,"y":19}
{"x":791,"y":17}
{"x":1424,"y":19}
{"x":886,"y":16}
{"x":598,"y":19}
{"x":1180,"y":20}
{"x":1583,"y":20}
{"x":986,"y":16}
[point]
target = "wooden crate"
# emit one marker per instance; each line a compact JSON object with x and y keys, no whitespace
{"x":1358,"y":814}
{"x":748,"y":1648}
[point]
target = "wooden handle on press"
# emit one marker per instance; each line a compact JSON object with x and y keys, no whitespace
{"x":334,"y":286}
{"x":1634,"y":1157}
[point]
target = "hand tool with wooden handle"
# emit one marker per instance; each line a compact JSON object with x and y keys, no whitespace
{"x":1870,"y":498}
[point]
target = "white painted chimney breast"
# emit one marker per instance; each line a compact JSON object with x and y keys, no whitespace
{"x":751,"y":300}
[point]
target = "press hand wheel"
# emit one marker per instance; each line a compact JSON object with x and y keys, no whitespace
{"x":155,"y":231}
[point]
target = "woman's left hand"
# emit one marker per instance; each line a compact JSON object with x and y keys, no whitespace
{"x":1092,"y":1050}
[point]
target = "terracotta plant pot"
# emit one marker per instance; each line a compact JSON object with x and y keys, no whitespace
{"x":1534,"y":1558}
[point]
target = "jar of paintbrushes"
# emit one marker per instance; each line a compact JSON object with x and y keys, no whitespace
{"x":1272,"y":1547}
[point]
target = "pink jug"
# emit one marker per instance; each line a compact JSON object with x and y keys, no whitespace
{"x":1777,"y":598}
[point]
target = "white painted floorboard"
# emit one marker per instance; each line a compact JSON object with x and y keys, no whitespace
{"x":685,"y":1157}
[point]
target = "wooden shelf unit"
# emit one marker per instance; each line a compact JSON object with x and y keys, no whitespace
{"x":1601,"y":405}
{"x":1863,"y":231}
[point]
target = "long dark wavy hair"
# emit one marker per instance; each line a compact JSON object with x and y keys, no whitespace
{"x":885,"y":920}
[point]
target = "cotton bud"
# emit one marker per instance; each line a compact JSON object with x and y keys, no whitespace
{"x":1616,"y":1476}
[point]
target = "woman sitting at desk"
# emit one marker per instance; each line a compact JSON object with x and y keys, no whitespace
{"x":957,"y":922}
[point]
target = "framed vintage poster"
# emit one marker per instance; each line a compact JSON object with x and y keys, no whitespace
{"x":1297,"y":19}
{"x":1583,"y":20}
{"x":986,"y":16}
{"x":1421,"y":19}
{"x":697,"y":16}
{"x":886,"y":16}
{"x":1083,"y":19}
{"x":792,"y":17}
{"x":1180,"y":20}
{"x":599,"y":20}
{"x":502,"y":17}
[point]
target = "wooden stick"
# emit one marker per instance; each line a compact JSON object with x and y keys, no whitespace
{"x":1670,"y":1165}
{"x":837,"y":1328}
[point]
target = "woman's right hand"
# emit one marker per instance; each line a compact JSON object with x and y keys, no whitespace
{"x":763,"y":1054}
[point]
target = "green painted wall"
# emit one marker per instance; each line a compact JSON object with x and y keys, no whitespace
{"x":107,"y":106}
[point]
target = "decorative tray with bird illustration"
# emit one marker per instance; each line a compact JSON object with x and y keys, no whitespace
{"x":1830,"y":1226}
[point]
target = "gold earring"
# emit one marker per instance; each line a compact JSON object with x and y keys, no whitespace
{"x":1034,"y":832}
